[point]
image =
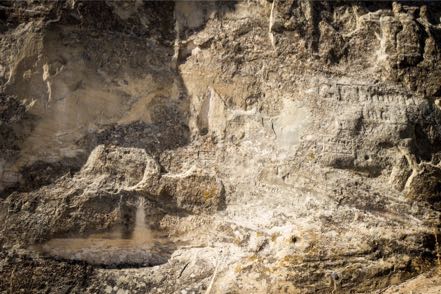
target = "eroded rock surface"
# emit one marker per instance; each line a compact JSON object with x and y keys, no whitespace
{"x":287,"y":146}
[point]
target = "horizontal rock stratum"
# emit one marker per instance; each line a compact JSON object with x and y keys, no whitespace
{"x":285,"y":146}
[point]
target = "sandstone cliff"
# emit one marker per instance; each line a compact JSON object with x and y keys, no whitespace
{"x":291,"y":146}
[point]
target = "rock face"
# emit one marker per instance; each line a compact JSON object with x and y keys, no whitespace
{"x":290,"y":146}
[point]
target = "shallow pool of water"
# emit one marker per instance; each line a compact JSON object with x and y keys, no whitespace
{"x":142,"y":247}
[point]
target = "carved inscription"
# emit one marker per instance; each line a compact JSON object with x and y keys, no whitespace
{"x":354,"y":111}
{"x":331,"y":145}
{"x":363,"y":94}
{"x":337,"y":145}
{"x":385,"y":115}
{"x":372,"y":103}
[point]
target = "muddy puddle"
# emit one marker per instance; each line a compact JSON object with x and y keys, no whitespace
{"x":143,"y":247}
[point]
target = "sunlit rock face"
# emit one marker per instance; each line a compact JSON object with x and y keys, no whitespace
{"x":219,"y":147}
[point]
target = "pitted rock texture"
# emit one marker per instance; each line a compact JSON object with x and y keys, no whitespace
{"x":283,"y":146}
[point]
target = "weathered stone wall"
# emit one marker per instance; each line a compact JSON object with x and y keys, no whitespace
{"x":290,"y":145}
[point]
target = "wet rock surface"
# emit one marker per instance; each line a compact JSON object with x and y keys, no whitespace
{"x":105,"y":253}
{"x":121,"y":248}
{"x":284,"y":146}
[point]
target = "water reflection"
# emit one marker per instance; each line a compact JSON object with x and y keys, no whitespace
{"x":142,"y":247}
